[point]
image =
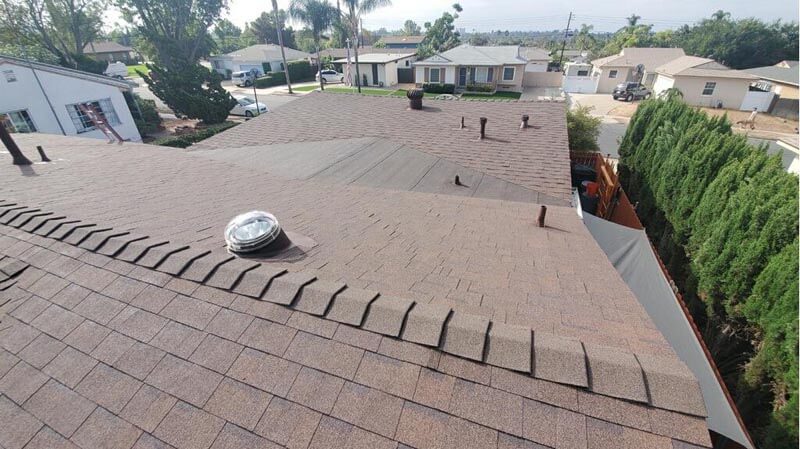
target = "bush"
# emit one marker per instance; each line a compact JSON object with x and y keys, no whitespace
{"x":436,"y":88}
{"x":187,"y":140}
{"x":479,"y":88}
{"x":194,"y":92}
{"x":273,"y":79}
{"x":583,"y":129}
{"x":145,"y":116}
{"x":302,"y":71}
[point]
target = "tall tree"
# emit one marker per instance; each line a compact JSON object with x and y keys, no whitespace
{"x":354,"y":11}
{"x":410,"y":28}
{"x":61,"y":27}
{"x":318,"y":15}
{"x":441,"y":35}
{"x":265,"y":29}
{"x":178,"y":32}
{"x":226,"y":36}
{"x":585,"y":40}
{"x":633,"y":20}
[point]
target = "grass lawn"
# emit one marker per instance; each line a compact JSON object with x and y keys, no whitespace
{"x":132,"y":70}
{"x":305,"y":88}
{"x":402,"y":93}
{"x":495,"y":96}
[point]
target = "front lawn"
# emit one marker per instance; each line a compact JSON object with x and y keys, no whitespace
{"x":306,"y":88}
{"x":495,"y":96}
{"x":133,"y":68}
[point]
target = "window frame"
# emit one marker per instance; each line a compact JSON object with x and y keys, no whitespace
{"x":86,"y":125}
{"x":584,"y":72}
{"x":613,"y":73}
{"x":27,"y":119}
{"x":438,"y":75}
{"x":705,"y":88}
{"x":513,"y":73}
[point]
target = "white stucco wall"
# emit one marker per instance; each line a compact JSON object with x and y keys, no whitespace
{"x":662,"y":83}
{"x":606,"y":84}
{"x":62,"y":90}
{"x":536,"y":66}
{"x":728,"y":91}
{"x":449,"y":74}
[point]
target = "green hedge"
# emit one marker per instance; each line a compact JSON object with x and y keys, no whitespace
{"x":273,"y":79}
{"x":436,"y":88}
{"x":300,"y":71}
{"x":187,"y":140}
{"x":723,"y":215}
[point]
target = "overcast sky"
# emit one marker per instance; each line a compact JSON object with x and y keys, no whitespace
{"x":605,"y":15}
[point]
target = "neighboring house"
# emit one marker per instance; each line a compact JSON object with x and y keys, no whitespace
{"x":262,"y":57}
{"x":791,"y":153}
{"x":537,"y":58}
{"x":616,"y":69}
{"x":782,"y":79}
{"x":402,"y":41}
{"x":44,"y":98}
{"x":407,"y":308}
{"x":339,"y":53}
{"x":705,"y":82}
{"x":499,"y":68}
{"x":381,"y":69}
{"x":578,"y":78}
{"x":111,"y":51}
{"x":576,"y":56}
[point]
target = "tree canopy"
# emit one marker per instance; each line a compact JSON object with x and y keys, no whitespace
{"x":441,"y":35}
{"x":410,"y":28}
{"x":264,"y":29}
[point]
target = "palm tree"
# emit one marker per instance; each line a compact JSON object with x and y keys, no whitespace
{"x":317,"y":15}
{"x":356,"y":9}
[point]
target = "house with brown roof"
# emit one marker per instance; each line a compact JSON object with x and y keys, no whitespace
{"x":402,"y":41}
{"x":705,"y":82}
{"x":411,"y":301}
{"x":110,"y":51}
{"x":616,"y":69}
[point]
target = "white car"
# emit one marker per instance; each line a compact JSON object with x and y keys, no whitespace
{"x":331,"y":76}
{"x":247,"y":107}
{"x":116,"y":70}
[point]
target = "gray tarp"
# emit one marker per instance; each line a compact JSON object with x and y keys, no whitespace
{"x":632,"y":256}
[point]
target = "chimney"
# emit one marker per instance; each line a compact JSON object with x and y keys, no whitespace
{"x":524,"y":123}
{"x":458,"y":181}
{"x":542,"y":213}
{"x":462,"y":122}
{"x":483,"y":127}
{"x":41,"y":154}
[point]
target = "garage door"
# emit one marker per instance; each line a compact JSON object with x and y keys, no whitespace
{"x":405,"y":75}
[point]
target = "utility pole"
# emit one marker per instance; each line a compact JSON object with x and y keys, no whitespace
{"x":279,"y":26}
{"x":564,"y":44}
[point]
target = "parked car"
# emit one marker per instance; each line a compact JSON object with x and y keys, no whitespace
{"x":245,"y":78}
{"x":331,"y":76}
{"x":630,"y":92}
{"x":116,"y":70}
{"x":247,"y":107}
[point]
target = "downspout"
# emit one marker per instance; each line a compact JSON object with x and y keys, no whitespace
{"x":49,"y":103}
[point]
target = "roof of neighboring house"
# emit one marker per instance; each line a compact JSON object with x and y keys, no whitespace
{"x":788,"y":64}
{"x":376,"y":58}
{"x":127,"y":85}
{"x":338,"y":53}
{"x":264,"y":52}
{"x":703,"y":67}
{"x":105,"y":47}
{"x":785,"y":75}
{"x":633,"y":56}
{"x":534,"y":54}
{"x":399,"y":316}
{"x":472,"y":55}
{"x":402,"y":39}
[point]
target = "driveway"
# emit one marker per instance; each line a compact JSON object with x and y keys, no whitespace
{"x":602,"y":104}
{"x":540,"y":93}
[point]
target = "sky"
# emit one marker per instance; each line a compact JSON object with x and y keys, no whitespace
{"x":532,"y":15}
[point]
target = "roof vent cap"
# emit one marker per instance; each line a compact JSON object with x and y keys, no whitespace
{"x":251,"y":231}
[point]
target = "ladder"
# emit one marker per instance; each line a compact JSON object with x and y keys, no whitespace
{"x":99,"y":119}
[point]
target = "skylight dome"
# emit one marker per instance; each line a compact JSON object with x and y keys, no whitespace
{"x":251,"y":231}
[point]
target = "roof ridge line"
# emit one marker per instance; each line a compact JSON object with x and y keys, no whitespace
{"x":603,"y":370}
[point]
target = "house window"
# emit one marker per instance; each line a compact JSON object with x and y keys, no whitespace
{"x":83,"y":123}
{"x":481,"y":75}
{"x":407,"y":63}
{"x":508,"y":73}
{"x":11,"y":77}
{"x":18,"y":122}
{"x":612,"y":74}
{"x":583,"y":73}
{"x":709,"y":88}
{"x":433,"y":76}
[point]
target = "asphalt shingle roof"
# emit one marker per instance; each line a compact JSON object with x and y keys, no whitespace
{"x":632,"y":56}
{"x":704,"y":67}
{"x":481,"y":56}
{"x":778,"y":74}
{"x":406,"y":319}
{"x":105,"y":47}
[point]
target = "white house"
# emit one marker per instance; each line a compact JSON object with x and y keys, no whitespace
{"x":538,"y":58}
{"x":45,"y":98}
{"x":620,"y":68}
{"x":578,"y":78}
{"x":262,"y":57}
{"x":471,"y":68}
{"x":380,"y":69}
